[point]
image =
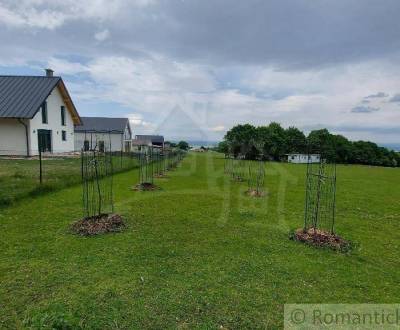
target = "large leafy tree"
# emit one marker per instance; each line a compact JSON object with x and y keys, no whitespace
{"x":322,"y":142}
{"x":223,"y":147}
{"x":296,"y":141}
{"x":277,"y":143}
{"x":240,"y":140}
{"x":183,"y":145}
{"x":343,"y":149}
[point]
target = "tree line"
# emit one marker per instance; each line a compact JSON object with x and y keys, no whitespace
{"x":183,"y":145}
{"x":273,"y":142}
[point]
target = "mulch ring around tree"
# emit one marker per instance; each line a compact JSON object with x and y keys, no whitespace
{"x":321,"y":239}
{"x":146,"y":186}
{"x":98,"y":224}
{"x":254,"y":193}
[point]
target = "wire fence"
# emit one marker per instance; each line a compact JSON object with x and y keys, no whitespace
{"x":22,"y":177}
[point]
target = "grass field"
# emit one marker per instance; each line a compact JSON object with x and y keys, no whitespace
{"x":19,"y":178}
{"x":198,"y":253}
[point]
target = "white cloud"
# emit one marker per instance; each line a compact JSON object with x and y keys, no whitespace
{"x":135,"y":119}
{"x":31,"y":17}
{"x":102,"y":35}
{"x":51,"y":14}
{"x":154,"y":86}
{"x":219,"y":128}
{"x":61,"y":66}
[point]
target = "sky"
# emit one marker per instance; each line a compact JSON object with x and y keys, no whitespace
{"x":192,"y":69}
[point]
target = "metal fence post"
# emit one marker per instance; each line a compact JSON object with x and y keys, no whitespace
{"x":40,"y":160}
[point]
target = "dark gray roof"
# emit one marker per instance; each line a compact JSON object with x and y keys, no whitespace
{"x":103,"y":124}
{"x":152,"y":138}
{"x":22,"y":96}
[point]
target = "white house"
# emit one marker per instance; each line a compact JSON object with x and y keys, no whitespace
{"x":36,"y":111}
{"x":303,"y":158}
{"x":103,"y":133}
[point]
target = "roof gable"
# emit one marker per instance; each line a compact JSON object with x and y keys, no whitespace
{"x":22,"y":96}
{"x":103,"y":124}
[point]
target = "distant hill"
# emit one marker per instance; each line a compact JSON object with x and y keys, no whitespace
{"x":202,"y":143}
{"x":391,"y":146}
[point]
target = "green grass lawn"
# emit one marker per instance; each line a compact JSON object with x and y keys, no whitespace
{"x":198,"y":253}
{"x":19,"y":178}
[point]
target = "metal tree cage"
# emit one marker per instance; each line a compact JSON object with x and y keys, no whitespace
{"x":97,"y":182}
{"x":320,"y":196}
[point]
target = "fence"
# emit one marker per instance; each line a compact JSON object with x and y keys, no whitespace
{"x":22,"y":177}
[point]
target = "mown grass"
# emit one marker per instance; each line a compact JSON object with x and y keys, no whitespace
{"x":198,"y":253}
{"x":20,"y":178}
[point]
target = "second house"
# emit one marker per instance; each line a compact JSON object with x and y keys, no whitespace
{"x":103,"y":133}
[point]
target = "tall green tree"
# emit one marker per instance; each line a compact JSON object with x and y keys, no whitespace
{"x":296,"y":141}
{"x":343,"y":148}
{"x":183,"y":145}
{"x":277,"y":143}
{"x":223,"y":147}
{"x":322,"y":142}
{"x":240,"y":140}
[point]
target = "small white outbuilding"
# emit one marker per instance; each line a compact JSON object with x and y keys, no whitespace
{"x":303,"y":158}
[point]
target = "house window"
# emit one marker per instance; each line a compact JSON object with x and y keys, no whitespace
{"x":44,"y":113}
{"x":62,"y":115}
{"x":101,"y":146}
{"x":64,"y":135}
{"x":86,"y":145}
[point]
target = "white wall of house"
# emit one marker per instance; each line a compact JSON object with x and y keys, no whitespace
{"x":303,"y":158}
{"x":12,"y":137}
{"x":127,"y":133}
{"x":54,"y":103}
{"x":117,"y":140}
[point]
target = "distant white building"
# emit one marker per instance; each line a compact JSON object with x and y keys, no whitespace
{"x":103,"y":133}
{"x":148,"y":140}
{"x":303,"y":158}
{"x":36,"y":112}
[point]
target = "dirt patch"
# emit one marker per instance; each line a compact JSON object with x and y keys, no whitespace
{"x":255,"y":193}
{"x":321,"y":239}
{"x":99,"y":224}
{"x":145,"y":187}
